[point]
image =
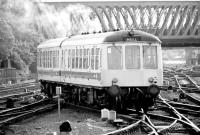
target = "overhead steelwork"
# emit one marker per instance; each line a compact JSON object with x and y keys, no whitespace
{"x":174,"y":22}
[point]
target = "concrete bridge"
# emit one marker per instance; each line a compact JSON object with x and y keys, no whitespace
{"x":176,"y":23}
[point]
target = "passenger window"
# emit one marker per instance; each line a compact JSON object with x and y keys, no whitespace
{"x":73,"y":58}
{"x":48,"y":60}
{"x":92,"y":58}
{"x":132,"y":57}
{"x":80,"y":59}
{"x":56,"y":56}
{"x":42,"y":59}
{"x":45,"y":59}
{"x":69,"y":58}
{"x":63,"y":59}
{"x":88,"y":59}
{"x":66,"y":58}
{"x":97,"y":58}
{"x":84,"y":58}
{"x":54,"y":59}
{"x":77,"y":57}
{"x":58,"y":59}
{"x":114,"y":57}
{"x":150,"y":57}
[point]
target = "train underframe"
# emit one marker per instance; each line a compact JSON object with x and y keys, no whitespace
{"x":113,"y":98}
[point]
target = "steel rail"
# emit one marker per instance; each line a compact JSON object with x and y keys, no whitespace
{"x":181,"y":116}
{"x":193,"y":99}
{"x":192,"y":81}
{"x":31,"y":112}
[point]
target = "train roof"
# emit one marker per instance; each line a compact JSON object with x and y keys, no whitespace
{"x":115,"y":36}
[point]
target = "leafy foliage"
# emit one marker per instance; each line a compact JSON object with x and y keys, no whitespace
{"x":24,"y":24}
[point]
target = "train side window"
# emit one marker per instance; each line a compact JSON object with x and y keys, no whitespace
{"x":132,"y":57}
{"x":114,"y":57}
{"x":150,"y":57}
{"x":73,"y":58}
{"x":66,"y":58}
{"x":47,"y":59}
{"x":49,"y":62}
{"x":88,"y":59}
{"x":97,"y":58}
{"x":54,"y":59}
{"x":84,"y":58}
{"x":56,"y":55}
{"x":77,"y":58}
{"x":38,"y":58}
{"x":42,"y":57}
{"x":80,"y":59}
{"x":92,"y":58}
{"x":69,"y":58}
{"x":51,"y":59}
{"x":57,"y":59}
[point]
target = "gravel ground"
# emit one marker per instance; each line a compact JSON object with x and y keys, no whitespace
{"x":82,"y":123}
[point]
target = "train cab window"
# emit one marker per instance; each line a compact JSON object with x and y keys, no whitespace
{"x":114,"y":57}
{"x":132,"y":57}
{"x":150,"y":57}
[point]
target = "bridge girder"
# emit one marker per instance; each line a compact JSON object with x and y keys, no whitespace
{"x":169,"y":20}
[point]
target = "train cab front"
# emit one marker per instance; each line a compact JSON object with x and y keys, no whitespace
{"x":146,"y":98}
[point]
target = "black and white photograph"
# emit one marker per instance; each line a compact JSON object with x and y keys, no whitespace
{"x":99,"y":67}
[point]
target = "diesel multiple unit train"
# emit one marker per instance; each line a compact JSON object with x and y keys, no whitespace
{"x":116,"y":69}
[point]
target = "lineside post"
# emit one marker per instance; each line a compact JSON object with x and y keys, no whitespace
{"x":58,"y":92}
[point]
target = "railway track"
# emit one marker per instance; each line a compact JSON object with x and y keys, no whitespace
{"x":18,"y":89}
{"x":165,"y":119}
{"x":16,"y":114}
{"x":20,"y":92}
